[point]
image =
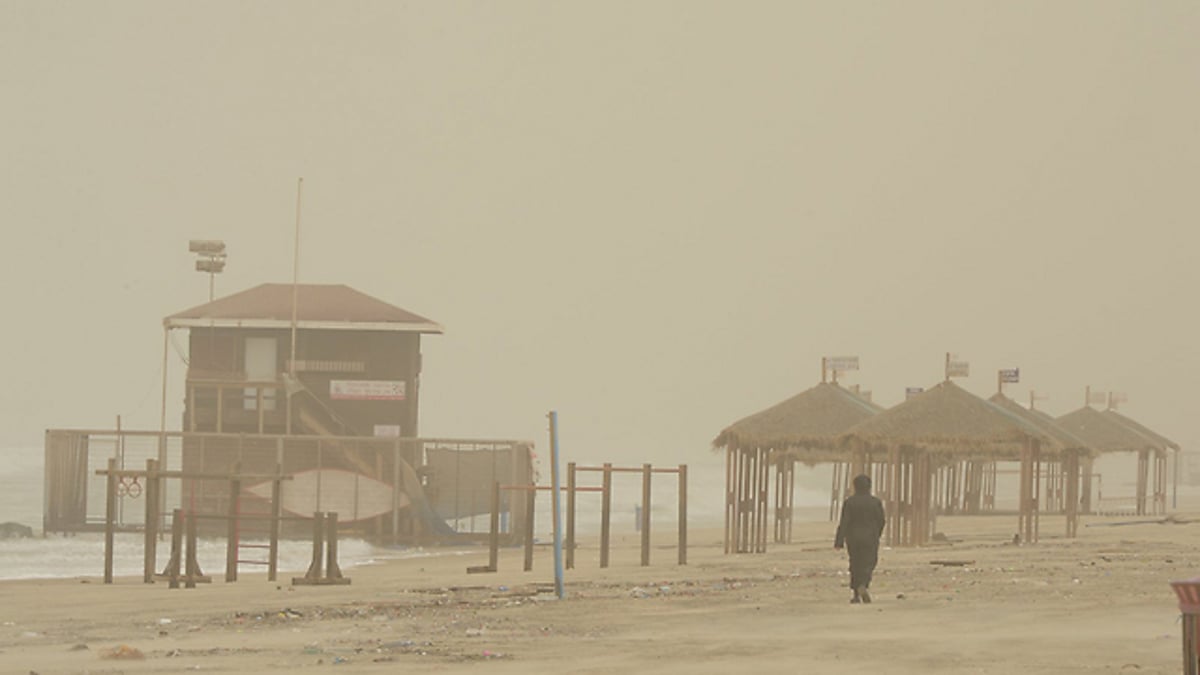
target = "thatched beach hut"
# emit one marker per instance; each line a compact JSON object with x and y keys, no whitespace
{"x":1105,"y":433}
{"x":802,"y":428}
{"x":1062,"y":477}
{"x":943,"y":424}
{"x":1160,"y":465}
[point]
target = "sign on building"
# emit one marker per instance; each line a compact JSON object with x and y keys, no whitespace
{"x":841,"y":364}
{"x":1010,"y":375}
{"x":910,"y":392}
{"x":366,"y":390}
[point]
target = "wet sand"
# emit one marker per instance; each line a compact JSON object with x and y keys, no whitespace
{"x":1099,"y":603}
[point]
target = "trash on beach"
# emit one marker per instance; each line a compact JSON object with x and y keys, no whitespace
{"x":123,"y":653}
{"x":638,"y":592}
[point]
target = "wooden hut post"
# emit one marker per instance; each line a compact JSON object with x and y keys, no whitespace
{"x":893,"y":496}
{"x":790,"y":485}
{"x":730,"y":500}
{"x":764,"y":498}
{"x":1160,"y":482}
{"x":1142,"y":475}
{"x":1037,"y":478}
{"x":782,"y":495}
{"x":744,"y":502}
{"x":1085,"y":500}
{"x":1024,"y":519}
{"x":1071,"y":507}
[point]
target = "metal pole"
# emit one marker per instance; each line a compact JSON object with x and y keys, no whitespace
{"x":162,"y":422}
{"x":557,"y":505}
{"x":110,"y":513}
{"x":295,"y":293}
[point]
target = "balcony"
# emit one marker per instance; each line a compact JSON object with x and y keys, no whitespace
{"x":235,"y":405}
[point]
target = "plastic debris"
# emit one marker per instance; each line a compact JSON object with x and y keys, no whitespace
{"x":123,"y":653}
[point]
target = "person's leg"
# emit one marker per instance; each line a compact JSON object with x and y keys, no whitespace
{"x":869,"y":556}
{"x":855,"y":572}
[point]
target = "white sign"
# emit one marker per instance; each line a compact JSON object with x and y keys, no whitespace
{"x":366,"y":390}
{"x":958,"y":369}
{"x":1010,"y":375}
{"x":841,"y":363}
{"x":387,"y":430}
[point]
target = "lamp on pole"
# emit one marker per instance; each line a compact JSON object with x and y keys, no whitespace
{"x":210,"y":258}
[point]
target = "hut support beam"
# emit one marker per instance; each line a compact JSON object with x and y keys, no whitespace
{"x":1143,"y":471}
{"x":1085,"y":500}
{"x":1072,"y":497}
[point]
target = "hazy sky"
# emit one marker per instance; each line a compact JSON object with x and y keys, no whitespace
{"x":654,"y":217}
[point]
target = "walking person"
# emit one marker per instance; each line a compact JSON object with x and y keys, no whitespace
{"x":859,"y":530}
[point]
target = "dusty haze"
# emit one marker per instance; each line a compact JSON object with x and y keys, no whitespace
{"x":652,"y":217}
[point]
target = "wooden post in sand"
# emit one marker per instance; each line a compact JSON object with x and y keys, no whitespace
{"x":493,"y":535}
{"x":110,"y":517}
{"x":231,"y":535}
{"x":645,"y":526}
{"x":150,"y":540}
{"x":530,"y":503}
{"x":605,"y":512}
{"x":570,"y":555}
{"x":683,"y":515}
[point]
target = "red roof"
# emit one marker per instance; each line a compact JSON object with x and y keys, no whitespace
{"x":319,"y":306}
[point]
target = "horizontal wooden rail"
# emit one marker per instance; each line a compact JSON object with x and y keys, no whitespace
{"x":525,"y":488}
{"x":625,"y":469}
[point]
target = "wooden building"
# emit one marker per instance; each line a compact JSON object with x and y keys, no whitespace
{"x":356,"y":371}
{"x":317,"y":383}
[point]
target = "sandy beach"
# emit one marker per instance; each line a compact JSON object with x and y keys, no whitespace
{"x":1099,"y":603}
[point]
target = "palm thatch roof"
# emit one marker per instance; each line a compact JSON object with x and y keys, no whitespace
{"x":1162,"y":441}
{"x":1104,"y":433}
{"x":812,"y":418}
{"x":1065,"y":438}
{"x":947,"y":419}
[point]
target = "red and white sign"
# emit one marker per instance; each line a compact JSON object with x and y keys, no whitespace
{"x":366,"y":390}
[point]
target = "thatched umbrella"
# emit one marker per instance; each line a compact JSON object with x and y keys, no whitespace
{"x":1160,"y":468}
{"x":944,"y":423}
{"x":1074,"y":448}
{"x":803,"y":427}
{"x":1108,"y":432}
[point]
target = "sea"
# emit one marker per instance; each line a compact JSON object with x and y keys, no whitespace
{"x":82,"y":554}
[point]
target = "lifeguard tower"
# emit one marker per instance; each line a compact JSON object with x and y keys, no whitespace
{"x":320,"y":383}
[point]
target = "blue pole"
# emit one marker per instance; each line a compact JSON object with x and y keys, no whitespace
{"x":557,"y":502}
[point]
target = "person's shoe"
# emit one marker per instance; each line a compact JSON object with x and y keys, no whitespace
{"x":865,"y":595}
{"x":855,"y":600}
